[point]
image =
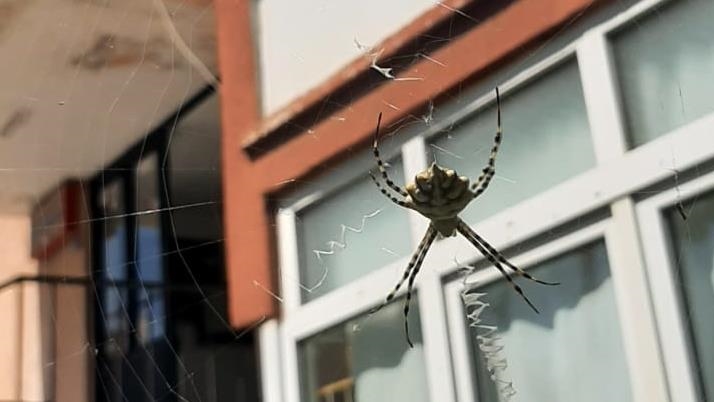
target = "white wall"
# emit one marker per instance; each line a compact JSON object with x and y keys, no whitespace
{"x":301,"y":43}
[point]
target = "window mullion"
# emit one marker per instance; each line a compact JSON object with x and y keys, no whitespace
{"x":270,"y":361}
{"x":291,"y":367}
{"x":671,"y":317}
{"x":436,"y":337}
{"x":414,"y":160}
{"x":460,"y":338}
{"x":289,"y":261}
{"x":601,"y":97}
{"x":634,"y":305}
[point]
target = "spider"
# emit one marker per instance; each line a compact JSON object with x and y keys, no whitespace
{"x":440,"y":194}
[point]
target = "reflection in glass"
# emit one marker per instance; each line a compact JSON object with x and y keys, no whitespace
{"x":115,"y":261}
{"x":546,"y":140}
{"x":664,"y":64}
{"x":693,"y":241}
{"x":571,"y":351}
{"x":384,"y":238}
{"x":366,"y":360}
{"x":149,"y":255}
{"x":114,"y":307}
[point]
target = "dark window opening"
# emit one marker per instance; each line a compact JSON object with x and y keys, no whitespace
{"x":160,"y":314}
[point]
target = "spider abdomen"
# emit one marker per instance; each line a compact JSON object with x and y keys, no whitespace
{"x":439,"y":193}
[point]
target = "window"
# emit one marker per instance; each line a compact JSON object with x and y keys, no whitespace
{"x":681,"y":273}
{"x":131,"y":329}
{"x":582,"y":338}
{"x":693,"y":243}
{"x":160,"y":272}
{"x":664,"y":62}
{"x":365,"y":359}
{"x":573,"y":347}
{"x":359,"y":206}
{"x":544,"y":124}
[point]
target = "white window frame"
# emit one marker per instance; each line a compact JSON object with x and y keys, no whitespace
{"x":626,"y":272}
{"x":618,"y":174}
{"x":667,"y":298}
{"x":458,"y":324}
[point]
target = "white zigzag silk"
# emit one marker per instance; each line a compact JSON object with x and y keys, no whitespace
{"x":486,"y":338}
{"x":333,"y":245}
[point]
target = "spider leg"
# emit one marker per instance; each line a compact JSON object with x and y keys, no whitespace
{"x":503,"y":259}
{"x":427,"y":241}
{"x":380,"y":164}
{"x":415,"y":261}
{"x":387,"y":194}
{"x":480,"y":185}
{"x":466,"y":232}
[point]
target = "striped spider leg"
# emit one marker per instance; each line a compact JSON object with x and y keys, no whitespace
{"x":439,"y":194}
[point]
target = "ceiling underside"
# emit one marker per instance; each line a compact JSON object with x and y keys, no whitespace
{"x":82,"y":80}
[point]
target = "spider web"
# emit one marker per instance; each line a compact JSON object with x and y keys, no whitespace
{"x":108,"y":74}
{"x":89,"y":79}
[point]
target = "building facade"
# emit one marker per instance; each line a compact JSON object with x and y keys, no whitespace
{"x":603,"y":183}
{"x":170,"y":236}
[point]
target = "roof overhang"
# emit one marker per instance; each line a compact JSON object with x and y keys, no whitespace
{"x":82,"y":80}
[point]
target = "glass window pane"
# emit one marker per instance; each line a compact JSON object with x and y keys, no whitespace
{"x":365,"y":360}
{"x":694,"y":245}
{"x":546,"y":140}
{"x":385,"y":236}
{"x":665,"y":65}
{"x":561,"y":354}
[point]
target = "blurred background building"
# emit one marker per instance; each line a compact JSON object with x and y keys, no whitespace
{"x":185,"y":210}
